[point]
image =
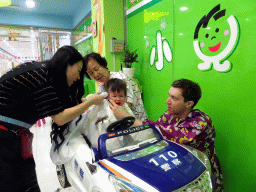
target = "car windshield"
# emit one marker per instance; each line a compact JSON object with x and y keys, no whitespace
{"x":129,"y":142}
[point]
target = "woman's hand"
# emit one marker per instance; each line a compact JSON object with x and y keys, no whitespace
{"x":95,"y":99}
{"x":83,"y":99}
{"x":71,"y":113}
{"x":119,"y":111}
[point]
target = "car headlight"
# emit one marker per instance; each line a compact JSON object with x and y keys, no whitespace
{"x":203,"y":182}
{"x":122,"y":185}
{"x":201,"y":156}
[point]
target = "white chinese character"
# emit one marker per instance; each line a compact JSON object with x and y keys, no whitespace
{"x":163,"y":50}
{"x":176,"y":162}
{"x":166,"y":166}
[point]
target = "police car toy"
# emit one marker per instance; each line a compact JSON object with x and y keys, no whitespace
{"x":136,"y":159}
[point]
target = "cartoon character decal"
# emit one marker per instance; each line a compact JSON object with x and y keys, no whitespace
{"x":215,"y":40}
{"x":98,"y":21}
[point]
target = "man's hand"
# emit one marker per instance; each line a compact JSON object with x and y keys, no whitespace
{"x":119,"y":111}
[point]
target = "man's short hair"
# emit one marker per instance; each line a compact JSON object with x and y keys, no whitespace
{"x":116,"y":85}
{"x":191,"y":91}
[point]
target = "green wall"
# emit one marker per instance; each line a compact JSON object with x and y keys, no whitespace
{"x":109,"y":17}
{"x":228,"y":96}
{"x":143,"y":25}
{"x":85,"y":47}
{"x":114,"y":28}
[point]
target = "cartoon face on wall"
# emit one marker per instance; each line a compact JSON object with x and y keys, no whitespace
{"x":215,"y":38}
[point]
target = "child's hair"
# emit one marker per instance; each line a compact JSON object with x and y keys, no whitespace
{"x":116,"y":85}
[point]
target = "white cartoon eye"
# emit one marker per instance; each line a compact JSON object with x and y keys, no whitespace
{"x":226,"y":32}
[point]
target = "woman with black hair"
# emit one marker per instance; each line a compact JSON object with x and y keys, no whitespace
{"x":32,"y":91}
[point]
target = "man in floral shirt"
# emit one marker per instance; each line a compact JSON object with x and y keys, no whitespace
{"x":181,"y":124}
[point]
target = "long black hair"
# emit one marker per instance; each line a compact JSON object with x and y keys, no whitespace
{"x":69,"y":96}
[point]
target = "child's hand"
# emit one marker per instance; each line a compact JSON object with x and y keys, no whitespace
{"x":119,"y":111}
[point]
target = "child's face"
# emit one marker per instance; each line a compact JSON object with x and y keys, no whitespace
{"x":117,"y":97}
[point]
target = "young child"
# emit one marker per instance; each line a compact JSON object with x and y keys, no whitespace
{"x":116,"y":89}
{"x":92,"y":123}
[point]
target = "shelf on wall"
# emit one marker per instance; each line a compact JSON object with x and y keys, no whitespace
{"x":83,"y":39}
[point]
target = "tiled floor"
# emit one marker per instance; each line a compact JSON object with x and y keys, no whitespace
{"x":46,"y":170}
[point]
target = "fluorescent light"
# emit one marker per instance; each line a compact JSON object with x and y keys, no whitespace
{"x":30,"y":4}
{"x":183,"y":8}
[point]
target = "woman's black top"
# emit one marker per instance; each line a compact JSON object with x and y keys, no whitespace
{"x":26,"y":94}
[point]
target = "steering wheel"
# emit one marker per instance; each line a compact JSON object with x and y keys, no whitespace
{"x":121,"y":124}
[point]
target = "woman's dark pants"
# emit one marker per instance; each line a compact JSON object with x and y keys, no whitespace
{"x":16,"y":174}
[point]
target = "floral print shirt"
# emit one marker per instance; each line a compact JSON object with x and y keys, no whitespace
{"x":197,"y":131}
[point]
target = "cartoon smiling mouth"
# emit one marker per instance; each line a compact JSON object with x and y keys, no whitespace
{"x":215,"y":48}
